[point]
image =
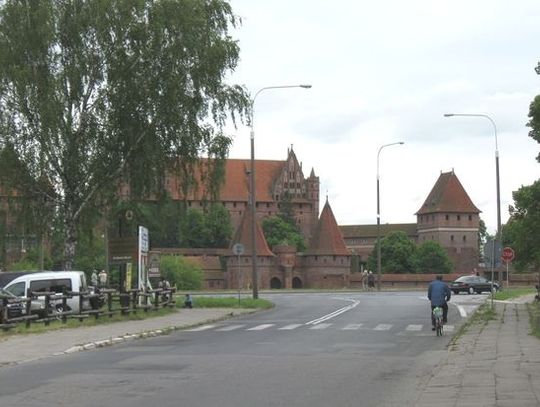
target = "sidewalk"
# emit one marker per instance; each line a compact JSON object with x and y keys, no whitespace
{"x":493,"y":365}
{"x":23,"y":348}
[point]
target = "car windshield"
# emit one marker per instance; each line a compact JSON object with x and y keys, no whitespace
{"x":6,"y":293}
{"x":465,"y":279}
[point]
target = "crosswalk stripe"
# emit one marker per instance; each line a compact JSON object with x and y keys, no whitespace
{"x":320,"y":326}
{"x":289,"y":327}
{"x":201,"y":328}
{"x":260,"y":327}
{"x":230,"y":328}
{"x":382,"y":327}
{"x":352,"y":327}
{"x":414,"y":328}
{"x":448,"y":328}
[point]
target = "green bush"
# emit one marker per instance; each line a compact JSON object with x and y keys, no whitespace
{"x":182,"y":273}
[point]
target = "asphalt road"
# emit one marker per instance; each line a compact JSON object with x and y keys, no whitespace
{"x":347,"y":349}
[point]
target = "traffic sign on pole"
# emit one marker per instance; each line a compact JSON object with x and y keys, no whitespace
{"x":507,"y":254}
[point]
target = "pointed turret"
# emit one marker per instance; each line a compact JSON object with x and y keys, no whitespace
{"x":243,"y":235}
{"x":327,"y":238}
{"x":448,"y":195}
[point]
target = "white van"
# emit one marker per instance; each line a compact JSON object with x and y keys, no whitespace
{"x":51,"y":281}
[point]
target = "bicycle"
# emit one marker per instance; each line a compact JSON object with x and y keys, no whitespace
{"x":438,"y":316}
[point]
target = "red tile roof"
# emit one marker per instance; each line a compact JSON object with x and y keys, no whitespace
{"x":243,"y":235}
{"x":327,"y":238}
{"x":448,"y":195}
{"x":236,"y":182}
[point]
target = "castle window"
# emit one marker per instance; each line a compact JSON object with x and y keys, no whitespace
{"x":452,"y":238}
{"x":464,"y":238}
{"x":446,"y":217}
{"x":234,"y":204}
{"x":470,"y":217}
{"x":298,"y":185}
{"x":459,"y":217}
{"x":240,"y":213}
{"x":267,"y":205}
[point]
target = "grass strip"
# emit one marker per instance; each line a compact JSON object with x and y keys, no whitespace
{"x":227,"y":302}
{"x":534,"y":318}
{"x":509,"y":293}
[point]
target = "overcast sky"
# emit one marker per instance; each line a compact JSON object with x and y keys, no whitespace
{"x":386,"y":71}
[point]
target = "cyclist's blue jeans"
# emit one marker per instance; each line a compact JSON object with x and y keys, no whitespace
{"x":445,"y":313}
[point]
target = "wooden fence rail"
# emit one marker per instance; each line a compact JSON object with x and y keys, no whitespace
{"x":44,"y":307}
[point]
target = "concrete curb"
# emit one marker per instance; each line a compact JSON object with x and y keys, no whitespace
{"x":146,"y":334}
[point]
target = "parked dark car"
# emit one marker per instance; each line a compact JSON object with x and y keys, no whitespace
{"x":472,"y":284}
{"x":14,"y":309}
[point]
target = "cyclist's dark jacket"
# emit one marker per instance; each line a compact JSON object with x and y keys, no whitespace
{"x":438,"y":293}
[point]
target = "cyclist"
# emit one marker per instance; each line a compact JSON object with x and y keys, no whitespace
{"x":439,"y":294}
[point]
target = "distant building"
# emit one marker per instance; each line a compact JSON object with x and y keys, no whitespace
{"x":448,"y":217}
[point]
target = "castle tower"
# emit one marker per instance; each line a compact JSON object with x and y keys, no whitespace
{"x":327,"y":260}
{"x":312,"y":195}
{"x":449,"y":217}
{"x":239,"y":268}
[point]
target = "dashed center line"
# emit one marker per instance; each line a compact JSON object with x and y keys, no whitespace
{"x":260,"y":327}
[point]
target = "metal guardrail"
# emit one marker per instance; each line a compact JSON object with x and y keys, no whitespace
{"x":103,"y":303}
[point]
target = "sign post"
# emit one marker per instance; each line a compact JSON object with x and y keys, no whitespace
{"x":143,"y":260}
{"x":507,"y":256}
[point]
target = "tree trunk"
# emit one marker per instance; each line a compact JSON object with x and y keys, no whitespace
{"x":70,"y":242}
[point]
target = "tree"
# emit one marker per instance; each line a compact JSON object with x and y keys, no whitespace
{"x":218,"y":225}
{"x":278,"y":231}
{"x":534,"y":115}
{"x":398,"y":254}
{"x":432,"y":258}
{"x":95,"y":93}
{"x":522,"y":231}
{"x":193,"y":231}
{"x":183,"y":274}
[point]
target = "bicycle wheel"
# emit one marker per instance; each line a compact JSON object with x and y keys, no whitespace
{"x":439,"y":328}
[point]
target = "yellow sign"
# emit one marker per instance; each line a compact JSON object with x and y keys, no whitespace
{"x":128,"y":276}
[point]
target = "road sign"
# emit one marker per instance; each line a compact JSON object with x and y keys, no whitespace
{"x":492,"y":252}
{"x":507,"y":254}
{"x":238,"y":249}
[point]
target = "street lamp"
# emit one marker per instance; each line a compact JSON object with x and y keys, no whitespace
{"x":496,"y":163}
{"x":379,"y":217}
{"x":498,"y":233}
{"x":252,"y":196}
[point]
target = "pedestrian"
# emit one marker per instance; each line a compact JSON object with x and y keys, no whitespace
{"x":94,"y":278}
{"x":102,"y":278}
{"x":364,"y":279}
{"x":188,"y":302}
{"x":371,"y":281}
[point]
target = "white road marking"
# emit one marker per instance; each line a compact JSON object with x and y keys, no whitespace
{"x":448,"y":328}
{"x":414,"y":328}
{"x":382,"y":327}
{"x":352,"y":327}
{"x":230,"y":328}
{"x":335,"y":313}
{"x":289,"y":327}
{"x":321,"y":326}
{"x":260,"y":327}
{"x":461,"y":310}
{"x":201,"y":328}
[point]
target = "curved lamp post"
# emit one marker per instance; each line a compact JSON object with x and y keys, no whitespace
{"x":379,"y":273}
{"x":252,"y":196}
{"x":485,"y":116}
{"x":498,"y":233}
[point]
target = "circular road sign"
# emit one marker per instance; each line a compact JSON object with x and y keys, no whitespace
{"x":238,"y":249}
{"x":507,"y":254}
